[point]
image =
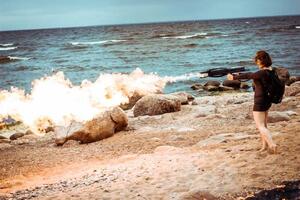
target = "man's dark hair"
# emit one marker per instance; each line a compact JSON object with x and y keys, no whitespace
{"x":264,"y":58}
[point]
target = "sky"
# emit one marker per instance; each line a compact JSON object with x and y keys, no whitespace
{"x":33,"y":14}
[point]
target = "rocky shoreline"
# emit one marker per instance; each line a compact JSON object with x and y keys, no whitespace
{"x":206,"y":150}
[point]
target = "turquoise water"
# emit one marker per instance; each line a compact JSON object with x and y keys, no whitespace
{"x":168,"y":49}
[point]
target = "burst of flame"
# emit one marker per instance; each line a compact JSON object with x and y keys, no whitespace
{"x":54,"y":100}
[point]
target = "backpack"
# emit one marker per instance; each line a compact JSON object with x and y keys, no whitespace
{"x":275,"y":88}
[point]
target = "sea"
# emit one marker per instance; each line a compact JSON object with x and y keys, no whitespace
{"x":180,"y":50}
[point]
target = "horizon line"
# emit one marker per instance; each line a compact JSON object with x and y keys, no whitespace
{"x":150,"y":22}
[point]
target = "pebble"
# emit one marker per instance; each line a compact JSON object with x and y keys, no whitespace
{"x":16,"y":136}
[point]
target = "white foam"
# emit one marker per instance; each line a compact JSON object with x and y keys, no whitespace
{"x":184,"y":77}
{"x":55,"y":100}
{"x":96,"y":42}
{"x":298,"y":27}
{"x":18,"y":58}
{"x":186,"y":36}
{"x":7,"y":48}
{"x":7,"y":45}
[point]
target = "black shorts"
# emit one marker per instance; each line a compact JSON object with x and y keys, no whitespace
{"x":261,"y":107}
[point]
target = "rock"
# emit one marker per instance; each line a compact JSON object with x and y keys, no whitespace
{"x":4,"y":59}
{"x":211,"y":88}
{"x":29,"y":132}
{"x":245,"y":86}
{"x":8,"y":122}
{"x":283,"y":74}
{"x":71,"y":143}
{"x":20,"y":141}
{"x":99,"y":128}
{"x":16,"y":136}
{"x":194,"y":103}
{"x":156,"y":104}
{"x":225,"y":88}
{"x":2,"y":137}
{"x":292,"y":80}
{"x":132,"y":101}
{"x":201,"y":195}
{"x":203,"y":111}
{"x":197,"y":86}
{"x":290,"y":113}
{"x":4,"y":146}
{"x":212,"y":83}
{"x":278,"y":117}
{"x":49,"y":129}
{"x":236,"y":84}
{"x":176,"y":138}
{"x":5,"y":140}
{"x":184,"y":97}
{"x":120,"y":119}
{"x":293,"y":89}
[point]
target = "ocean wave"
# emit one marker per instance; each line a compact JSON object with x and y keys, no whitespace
{"x":162,"y":35}
{"x":6,"y":45}
{"x":95,"y":42}
{"x":7,"y":48}
{"x":197,"y":35}
{"x":297,"y":27}
{"x":18,"y":58}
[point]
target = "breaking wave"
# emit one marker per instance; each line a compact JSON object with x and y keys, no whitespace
{"x":196,"y":35}
{"x":6,"y":45}
{"x":54,"y":100}
{"x":95,"y":42}
{"x":7,"y":48}
{"x":18,"y":58}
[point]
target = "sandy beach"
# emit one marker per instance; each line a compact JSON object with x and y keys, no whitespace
{"x":208,"y":150}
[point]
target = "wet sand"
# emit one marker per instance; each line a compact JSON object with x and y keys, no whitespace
{"x":209,"y":150}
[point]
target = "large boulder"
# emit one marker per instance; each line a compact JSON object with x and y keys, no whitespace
{"x":184,"y":97}
{"x":278,"y":117}
{"x":156,"y":104}
{"x":212,"y":83}
{"x":244,"y":86}
{"x":293,"y":89}
{"x":101,"y":127}
{"x":131,"y":101}
{"x":292,"y":80}
{"x":16,"y":136}
{"x":211,"y":88}
{"x":236,"y":84}
{"x":197,"y":86}
{"x":120,"y":119}
{"x":283,"y":74}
